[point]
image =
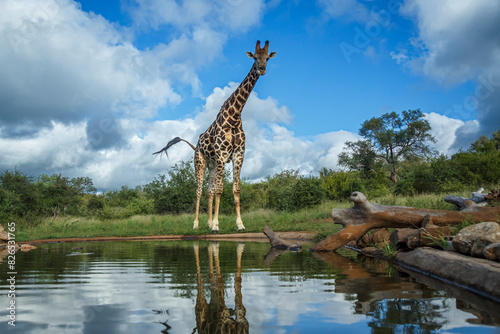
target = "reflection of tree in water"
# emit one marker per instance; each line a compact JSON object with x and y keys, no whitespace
{"x":215,"y":316}
{"x":406,"y":316}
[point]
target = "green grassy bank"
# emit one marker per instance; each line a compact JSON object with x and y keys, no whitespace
{"x":310,"y":219}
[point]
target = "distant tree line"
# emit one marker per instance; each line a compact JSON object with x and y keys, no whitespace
{"x":392,"y":159}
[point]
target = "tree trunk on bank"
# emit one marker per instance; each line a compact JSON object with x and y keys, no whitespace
{"x":365,"y":216}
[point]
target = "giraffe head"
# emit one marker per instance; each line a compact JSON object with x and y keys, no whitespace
{"x":261,"y":56}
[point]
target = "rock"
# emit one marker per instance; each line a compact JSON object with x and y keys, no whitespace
{"x":399,"y":238}
{"x":365,"y":216}
{"x":26,"y":247}
{"x":4,"y":236}
{"x":473,"y":239}
{"x":431,"y":236}
{"x":378,"y":237}
{"x":352,"y":244}
{"x":492,"y":252}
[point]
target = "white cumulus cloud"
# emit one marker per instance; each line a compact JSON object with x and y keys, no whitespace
{"x":458,"y":41}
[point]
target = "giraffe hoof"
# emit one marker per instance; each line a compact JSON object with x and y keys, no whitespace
{"x":241,"y":230}
{"x":215,"y":231}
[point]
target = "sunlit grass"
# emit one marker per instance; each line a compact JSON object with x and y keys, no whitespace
{"x":317,"y":219}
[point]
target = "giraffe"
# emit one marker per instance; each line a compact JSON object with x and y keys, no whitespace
{"x":223,"y":141}
{"x":215,"y":316}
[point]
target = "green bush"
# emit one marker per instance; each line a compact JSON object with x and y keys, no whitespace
{"x":290,"y":191}
{"x":307,"y":192}
{"x":339,"y":185}
{"x":254,"y":196}
{"x":281,"y":190}
{"x":27,"y":200}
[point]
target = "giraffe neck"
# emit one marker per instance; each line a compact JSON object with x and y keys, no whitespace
{"x":235,"y":103}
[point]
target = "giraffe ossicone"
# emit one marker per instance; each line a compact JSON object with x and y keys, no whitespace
{"x":224,"y":141}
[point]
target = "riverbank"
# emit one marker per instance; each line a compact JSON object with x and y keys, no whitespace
{"x":319,"y":221}
{"x":317,"y":218}
{"x":305,"y":236}
{"x":478,"y":276}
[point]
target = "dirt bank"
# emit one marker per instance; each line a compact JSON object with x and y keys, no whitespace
{"x":249,"y":236}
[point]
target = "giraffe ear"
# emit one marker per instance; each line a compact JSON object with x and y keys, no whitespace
{"x":271,"y":55}
{"x":250,"y":55}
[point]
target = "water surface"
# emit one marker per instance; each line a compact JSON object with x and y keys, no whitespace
{"x":227,"y":287}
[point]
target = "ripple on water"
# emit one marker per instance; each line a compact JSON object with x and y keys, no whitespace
{"x":113,"y":287}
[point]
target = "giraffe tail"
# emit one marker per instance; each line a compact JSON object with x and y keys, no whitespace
{"x":171,"y":143}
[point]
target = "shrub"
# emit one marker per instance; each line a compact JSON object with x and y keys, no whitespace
{"x":307,"y":192}
{"x":281,"y":192}
{"x":339,"y":185}
{"x":95,"y":204}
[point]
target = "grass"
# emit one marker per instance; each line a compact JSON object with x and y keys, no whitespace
{"x":316,"y":219}
{"x":423,"y":201}
{"x":389,"y":251}
{"x":440,"y":241}
{"x":146,"y":225}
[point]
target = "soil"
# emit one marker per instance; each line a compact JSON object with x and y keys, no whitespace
{"x":248,"y":236}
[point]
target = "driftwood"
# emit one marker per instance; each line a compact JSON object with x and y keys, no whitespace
{"x":365,"y":216}
{"x":479,"y":275}
{"x":460,"y":202}
{"x":277,"y":242}
{"x":274,"y":253}
{"x":427,"y":235}
{"x":493,"y":196}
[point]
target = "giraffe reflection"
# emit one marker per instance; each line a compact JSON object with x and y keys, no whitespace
{"x":215,"y":316}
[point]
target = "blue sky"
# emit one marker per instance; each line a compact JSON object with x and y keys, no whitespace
{"x":92,"y":88}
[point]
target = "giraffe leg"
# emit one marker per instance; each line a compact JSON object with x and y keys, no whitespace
{"x":237,"y":163}
{"x":219,"y":171}
{"x":199,"y":166}
{"x":210,"y":209}
{"x":211,"y":191}
{"x":240,"y":311}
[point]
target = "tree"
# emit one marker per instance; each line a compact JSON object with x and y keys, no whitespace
{"x":59,"y":192}
{"x":480,"y":165}
{"x":487,"y":145}
{"x":360,"y":156}
{"x":393,"y":138}
{"x":19,"y":196}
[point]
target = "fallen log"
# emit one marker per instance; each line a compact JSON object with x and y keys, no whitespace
{"x":456,"y":268}
{"x":364,"y":216}
{"x":460,"y":202}
{"x":399,"y":238}
{"x":277,"y":242}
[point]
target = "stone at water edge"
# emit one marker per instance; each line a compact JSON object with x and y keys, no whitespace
{"x":379,"y":237}
{"x":492,"y":252}
{"x":473,"y":239}
{"x":4,"y":236}
{"x":399,"y":237}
